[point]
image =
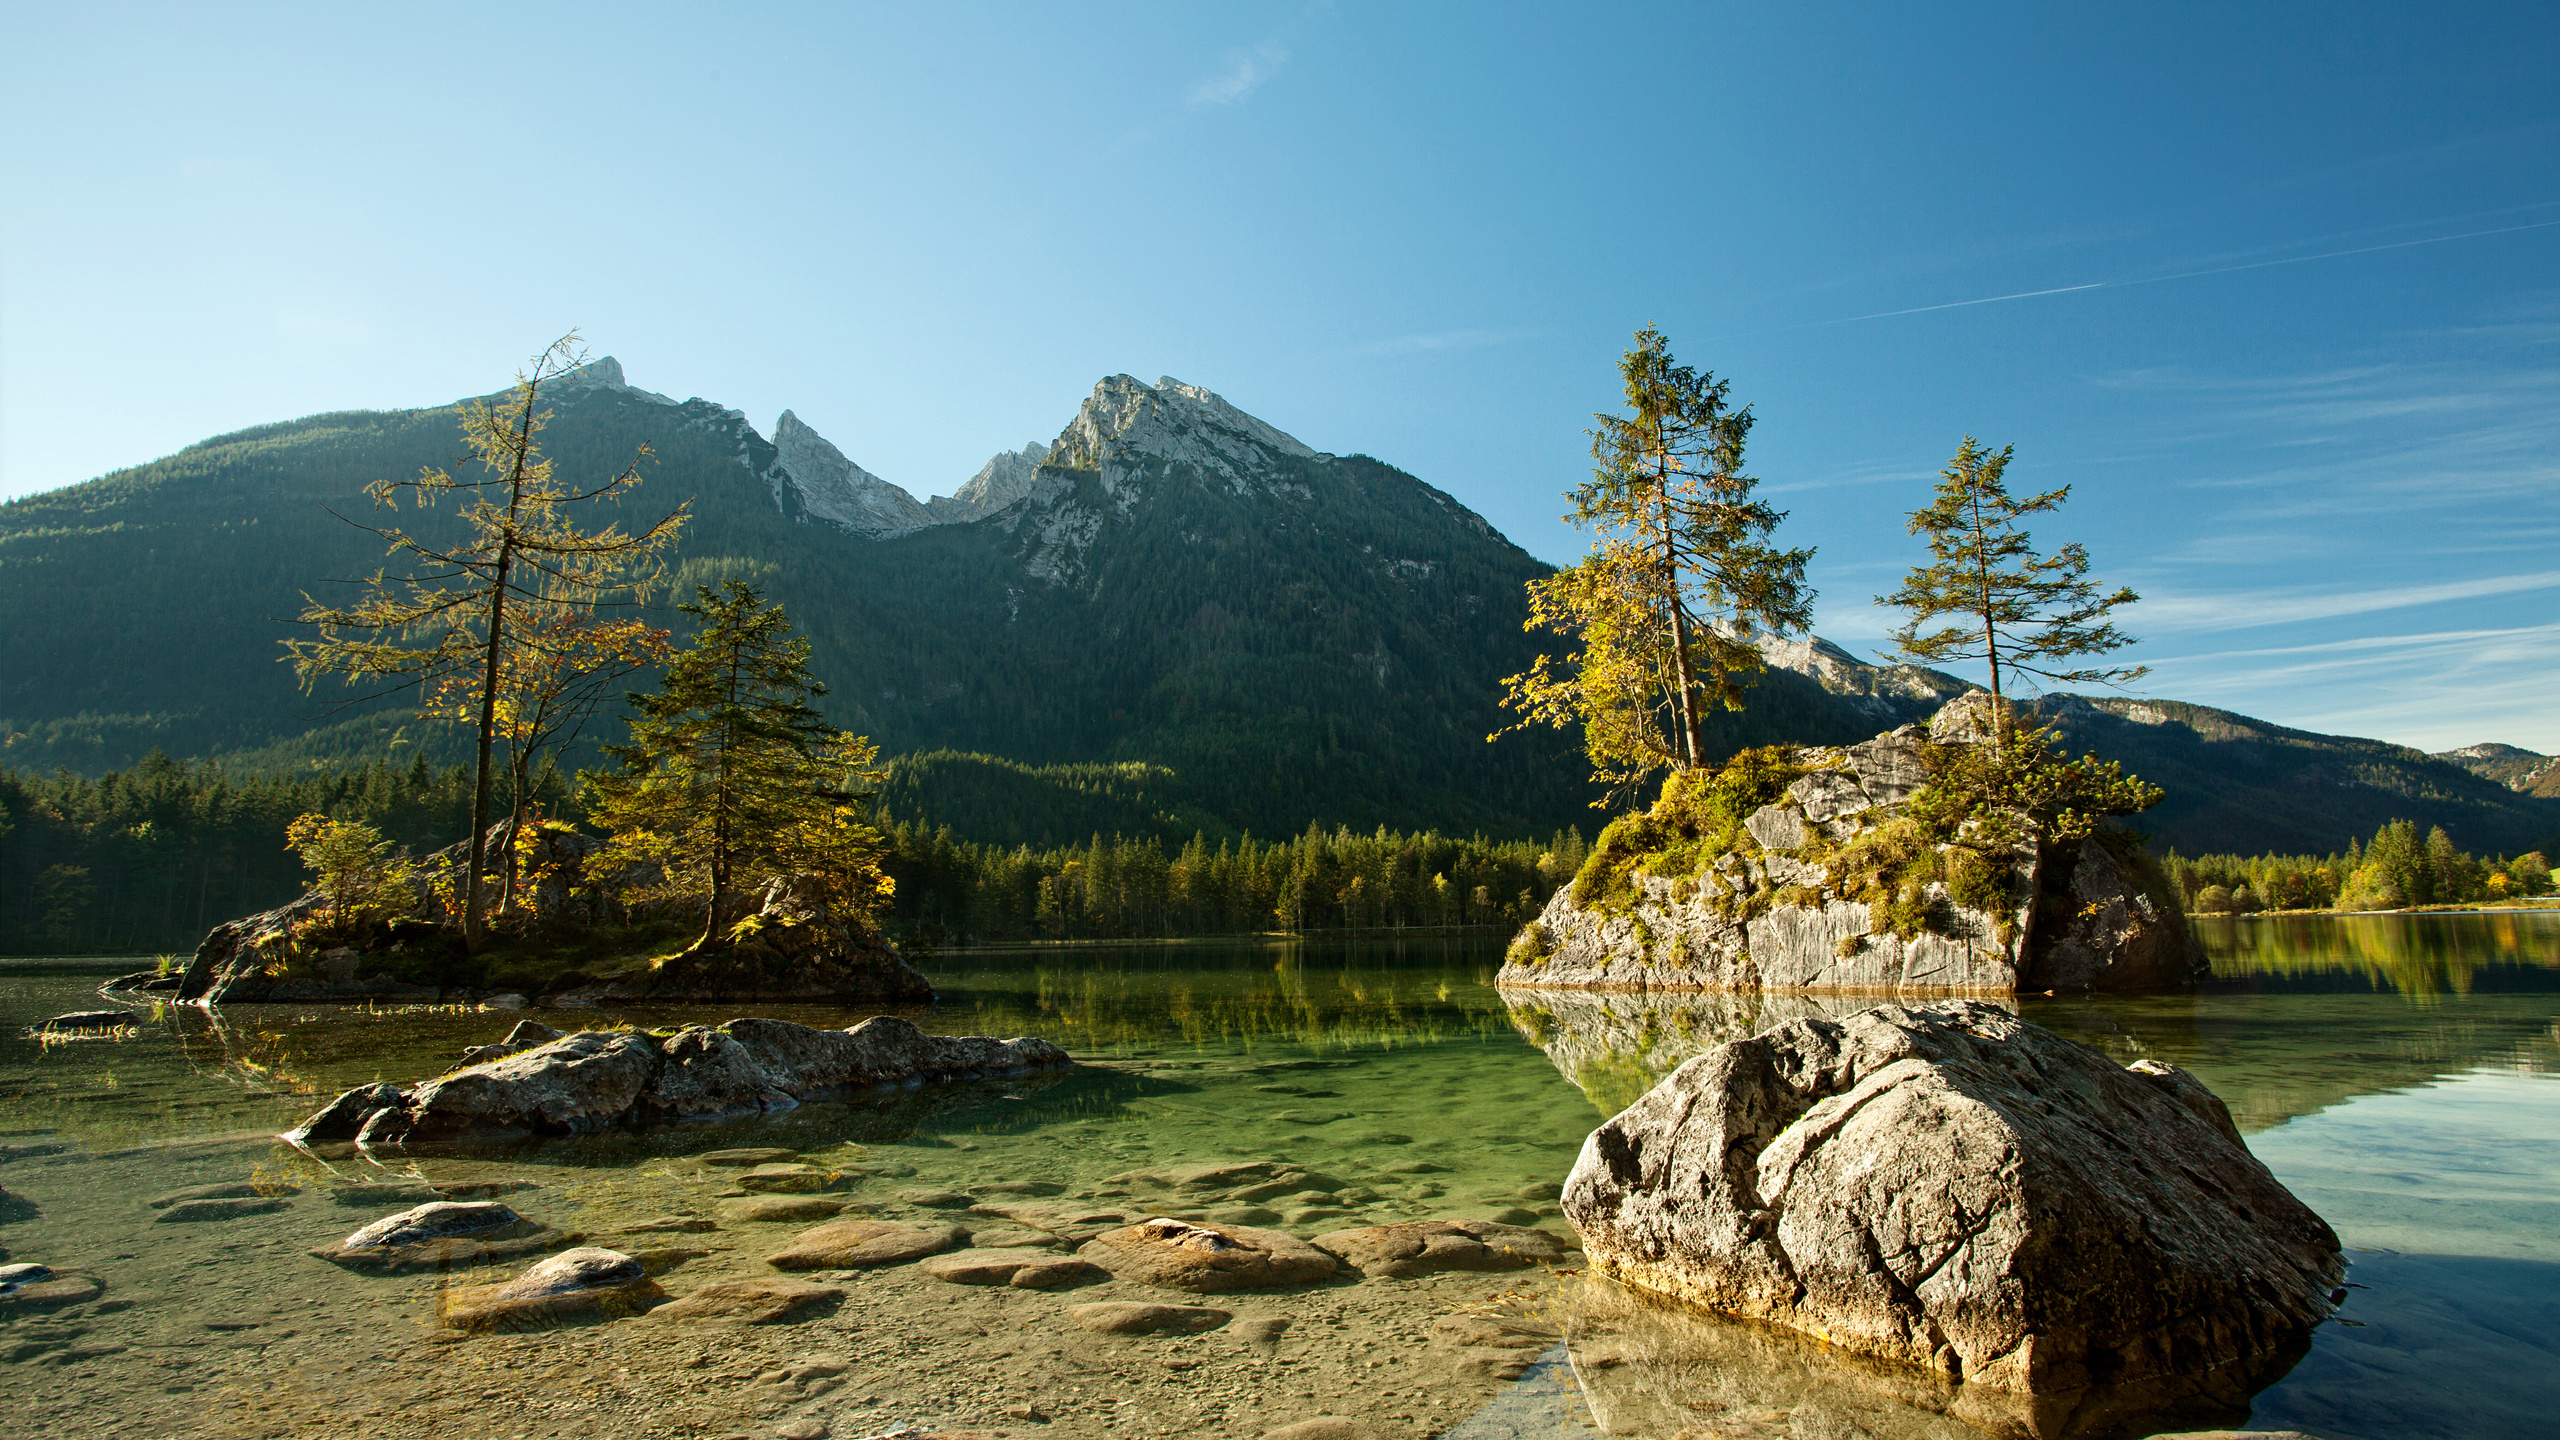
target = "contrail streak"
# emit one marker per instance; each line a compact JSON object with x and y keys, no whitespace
{"x":2192,"y":274}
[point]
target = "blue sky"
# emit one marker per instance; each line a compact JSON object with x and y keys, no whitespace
{"x":2298,"y":361}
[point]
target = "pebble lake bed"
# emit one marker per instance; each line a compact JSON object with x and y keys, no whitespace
{"x":2400,"y":1073}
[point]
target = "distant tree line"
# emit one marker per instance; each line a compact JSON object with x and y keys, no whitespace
{"x":1117,"y":887}
{"x":148,"y":859}
{"x":2397,"y":869}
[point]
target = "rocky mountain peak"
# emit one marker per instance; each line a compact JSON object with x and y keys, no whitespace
{"x":813,"y":480}
{"x":604,"y":373}
{"x":1001,"y":481}
{"x":1174,"y":423}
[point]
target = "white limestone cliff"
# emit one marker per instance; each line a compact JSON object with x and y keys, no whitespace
{"x":814,"y":478}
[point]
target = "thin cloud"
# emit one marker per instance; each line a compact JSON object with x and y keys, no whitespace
{"x":2252,"y":608}
{"x":1245,"y":72}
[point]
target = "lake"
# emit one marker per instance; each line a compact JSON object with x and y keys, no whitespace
{"x":2400,"y":1073}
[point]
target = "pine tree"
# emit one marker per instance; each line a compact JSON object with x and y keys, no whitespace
{"x":732,"y":776}
{"x":1682,"y":578}
{"x":2020,"y":610}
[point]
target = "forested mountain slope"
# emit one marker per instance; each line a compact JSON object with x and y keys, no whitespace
{"x":1173,"y":618}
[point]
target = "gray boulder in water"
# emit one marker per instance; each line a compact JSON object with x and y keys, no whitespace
{"x":604,"y":1079}
{"x":1951,"y":1187}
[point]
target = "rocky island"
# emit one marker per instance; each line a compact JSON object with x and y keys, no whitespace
{"x":575,"y":939}
{"x":1807,"y":868}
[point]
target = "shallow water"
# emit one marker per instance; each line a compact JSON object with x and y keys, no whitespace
{"x":2398,"y":1072}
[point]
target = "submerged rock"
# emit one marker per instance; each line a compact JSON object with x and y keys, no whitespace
{"x":1402,"y":1252}
{"x":1950,"y":1187}
{"x":863,"y":1244}
{"x":441,"y":1235}
{"x":188,"y":1212}
{"x":602,"y":1079}
{"x":584,"y":1281}
{"x":762,"y":1300}
{"x":237,"y":1190}
{"x":1122,"y":1317}
{"x":1025,"y":1268}
{"x":1206,"y":1259}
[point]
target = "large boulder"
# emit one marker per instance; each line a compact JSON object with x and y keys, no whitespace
{"x":1951,"y":1187}
{"x":604,"y":1079}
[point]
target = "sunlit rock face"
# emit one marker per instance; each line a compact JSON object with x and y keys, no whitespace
{"x":1949,"y":1187}
{"x":813,"y":480}
{"x":1722,"y":930}
{"x":1795,"y":907}
{"x":1001,"y":481}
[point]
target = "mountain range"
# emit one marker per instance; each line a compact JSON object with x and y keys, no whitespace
{"x":1172,"y":617}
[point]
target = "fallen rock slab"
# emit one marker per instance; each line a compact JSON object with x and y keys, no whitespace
{"x":1206,"y":1259}
{"x":441,"y":1235}
{"x":1950,"y":1187}
{"x":580,"y":1282}
{"x":1402,"y":1252}
{"x":603,"y":1079}
{"x":764,"y":1300}
{"x":237,"y":1190}
{"x":863,"y":1244}
{"x":1123,"y":1317}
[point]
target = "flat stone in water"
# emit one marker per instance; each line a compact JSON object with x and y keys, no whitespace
{"x":186,"y":1212}
{"x":1124,"y":1317}
{"x":669,"y":1225}
{"x":1022,"y":1187}
{"x":936,"y":1199}
{"x":793,"y":1179}
{"x":782,"y":1209}
{"x":1024,"y":1269}
{"x":763,"y":1300}
{"x":1206,"y":1258}
{"x":58,"y":1288}
{"x":1310,"y":1117}
{"x":1403,"y":1252}
{"x":862,"y":1244}
{"x":742,"y":1159}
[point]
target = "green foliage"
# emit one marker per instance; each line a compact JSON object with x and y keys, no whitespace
{"x":2018,"y":609}
{"x":2016,"y":790}
{"x":1697,"y":821}
{"x":1681,"y":578}
{"x":150,"y":857}
{"x":733,"y":776}
{"x":352,"y":865}
{"x":2397,"y":869}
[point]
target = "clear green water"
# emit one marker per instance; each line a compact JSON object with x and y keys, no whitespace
{"x":2398,"y":1072}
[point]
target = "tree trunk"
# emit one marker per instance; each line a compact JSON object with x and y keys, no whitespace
{"x":474,"y":896}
